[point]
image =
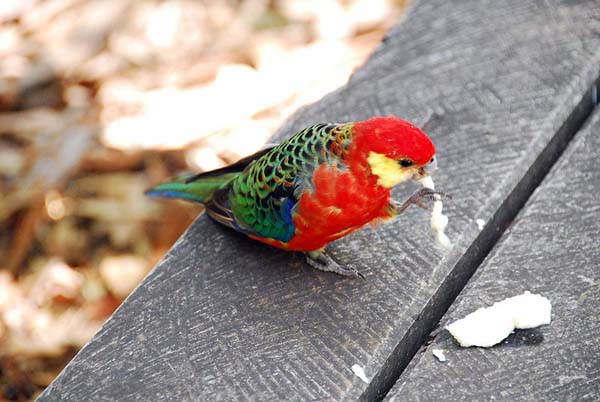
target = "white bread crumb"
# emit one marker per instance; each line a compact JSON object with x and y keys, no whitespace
{"x":360,"y":373}
{"x":439,"y":221}
{"x":488,"y":326}
{"x":439,"y":354}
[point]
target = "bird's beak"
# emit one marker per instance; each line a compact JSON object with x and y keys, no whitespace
{"x":427,"y":170}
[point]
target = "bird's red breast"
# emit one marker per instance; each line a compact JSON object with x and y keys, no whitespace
{"x":340,"y":203}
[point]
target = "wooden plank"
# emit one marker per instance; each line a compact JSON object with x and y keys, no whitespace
{"x":551,"y":249}
{"x":225,"y":318}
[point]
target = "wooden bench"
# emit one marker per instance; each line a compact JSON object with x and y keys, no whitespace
{"x":504,"y":86}
{"x":552,"y":249}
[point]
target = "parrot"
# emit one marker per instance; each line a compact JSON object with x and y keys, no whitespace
{"x":323,"y":183}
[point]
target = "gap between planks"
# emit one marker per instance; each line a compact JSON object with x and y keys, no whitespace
{"x":466,"y":266}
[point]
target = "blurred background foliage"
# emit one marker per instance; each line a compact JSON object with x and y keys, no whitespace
{"x":100,"y":100}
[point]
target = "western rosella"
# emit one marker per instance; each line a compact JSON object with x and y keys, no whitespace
{"x":323,"y":183}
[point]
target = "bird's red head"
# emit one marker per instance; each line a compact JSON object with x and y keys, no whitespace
{"x":390,"y":150}
{"x":393,"y":137}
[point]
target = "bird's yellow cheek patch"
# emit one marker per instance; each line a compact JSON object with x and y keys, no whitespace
{"x":388,"y":170}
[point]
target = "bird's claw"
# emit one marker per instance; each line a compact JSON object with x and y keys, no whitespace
{"x":420,"y":198}
{"x":323,"y":262}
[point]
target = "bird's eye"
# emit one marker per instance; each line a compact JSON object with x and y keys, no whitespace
{"x":432,"y":159}
{"x":406,"y":163}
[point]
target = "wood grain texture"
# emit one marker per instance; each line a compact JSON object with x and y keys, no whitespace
{"x":552,"y":249}
{"x":225,"y":318}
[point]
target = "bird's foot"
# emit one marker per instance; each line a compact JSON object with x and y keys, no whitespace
{"x":320,"y":260}
{"x":420,"y":198}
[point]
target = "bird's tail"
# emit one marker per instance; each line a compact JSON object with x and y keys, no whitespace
{"x":192,"y":188}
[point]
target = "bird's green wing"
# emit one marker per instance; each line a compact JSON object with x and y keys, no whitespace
{"x":262,"y":199}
